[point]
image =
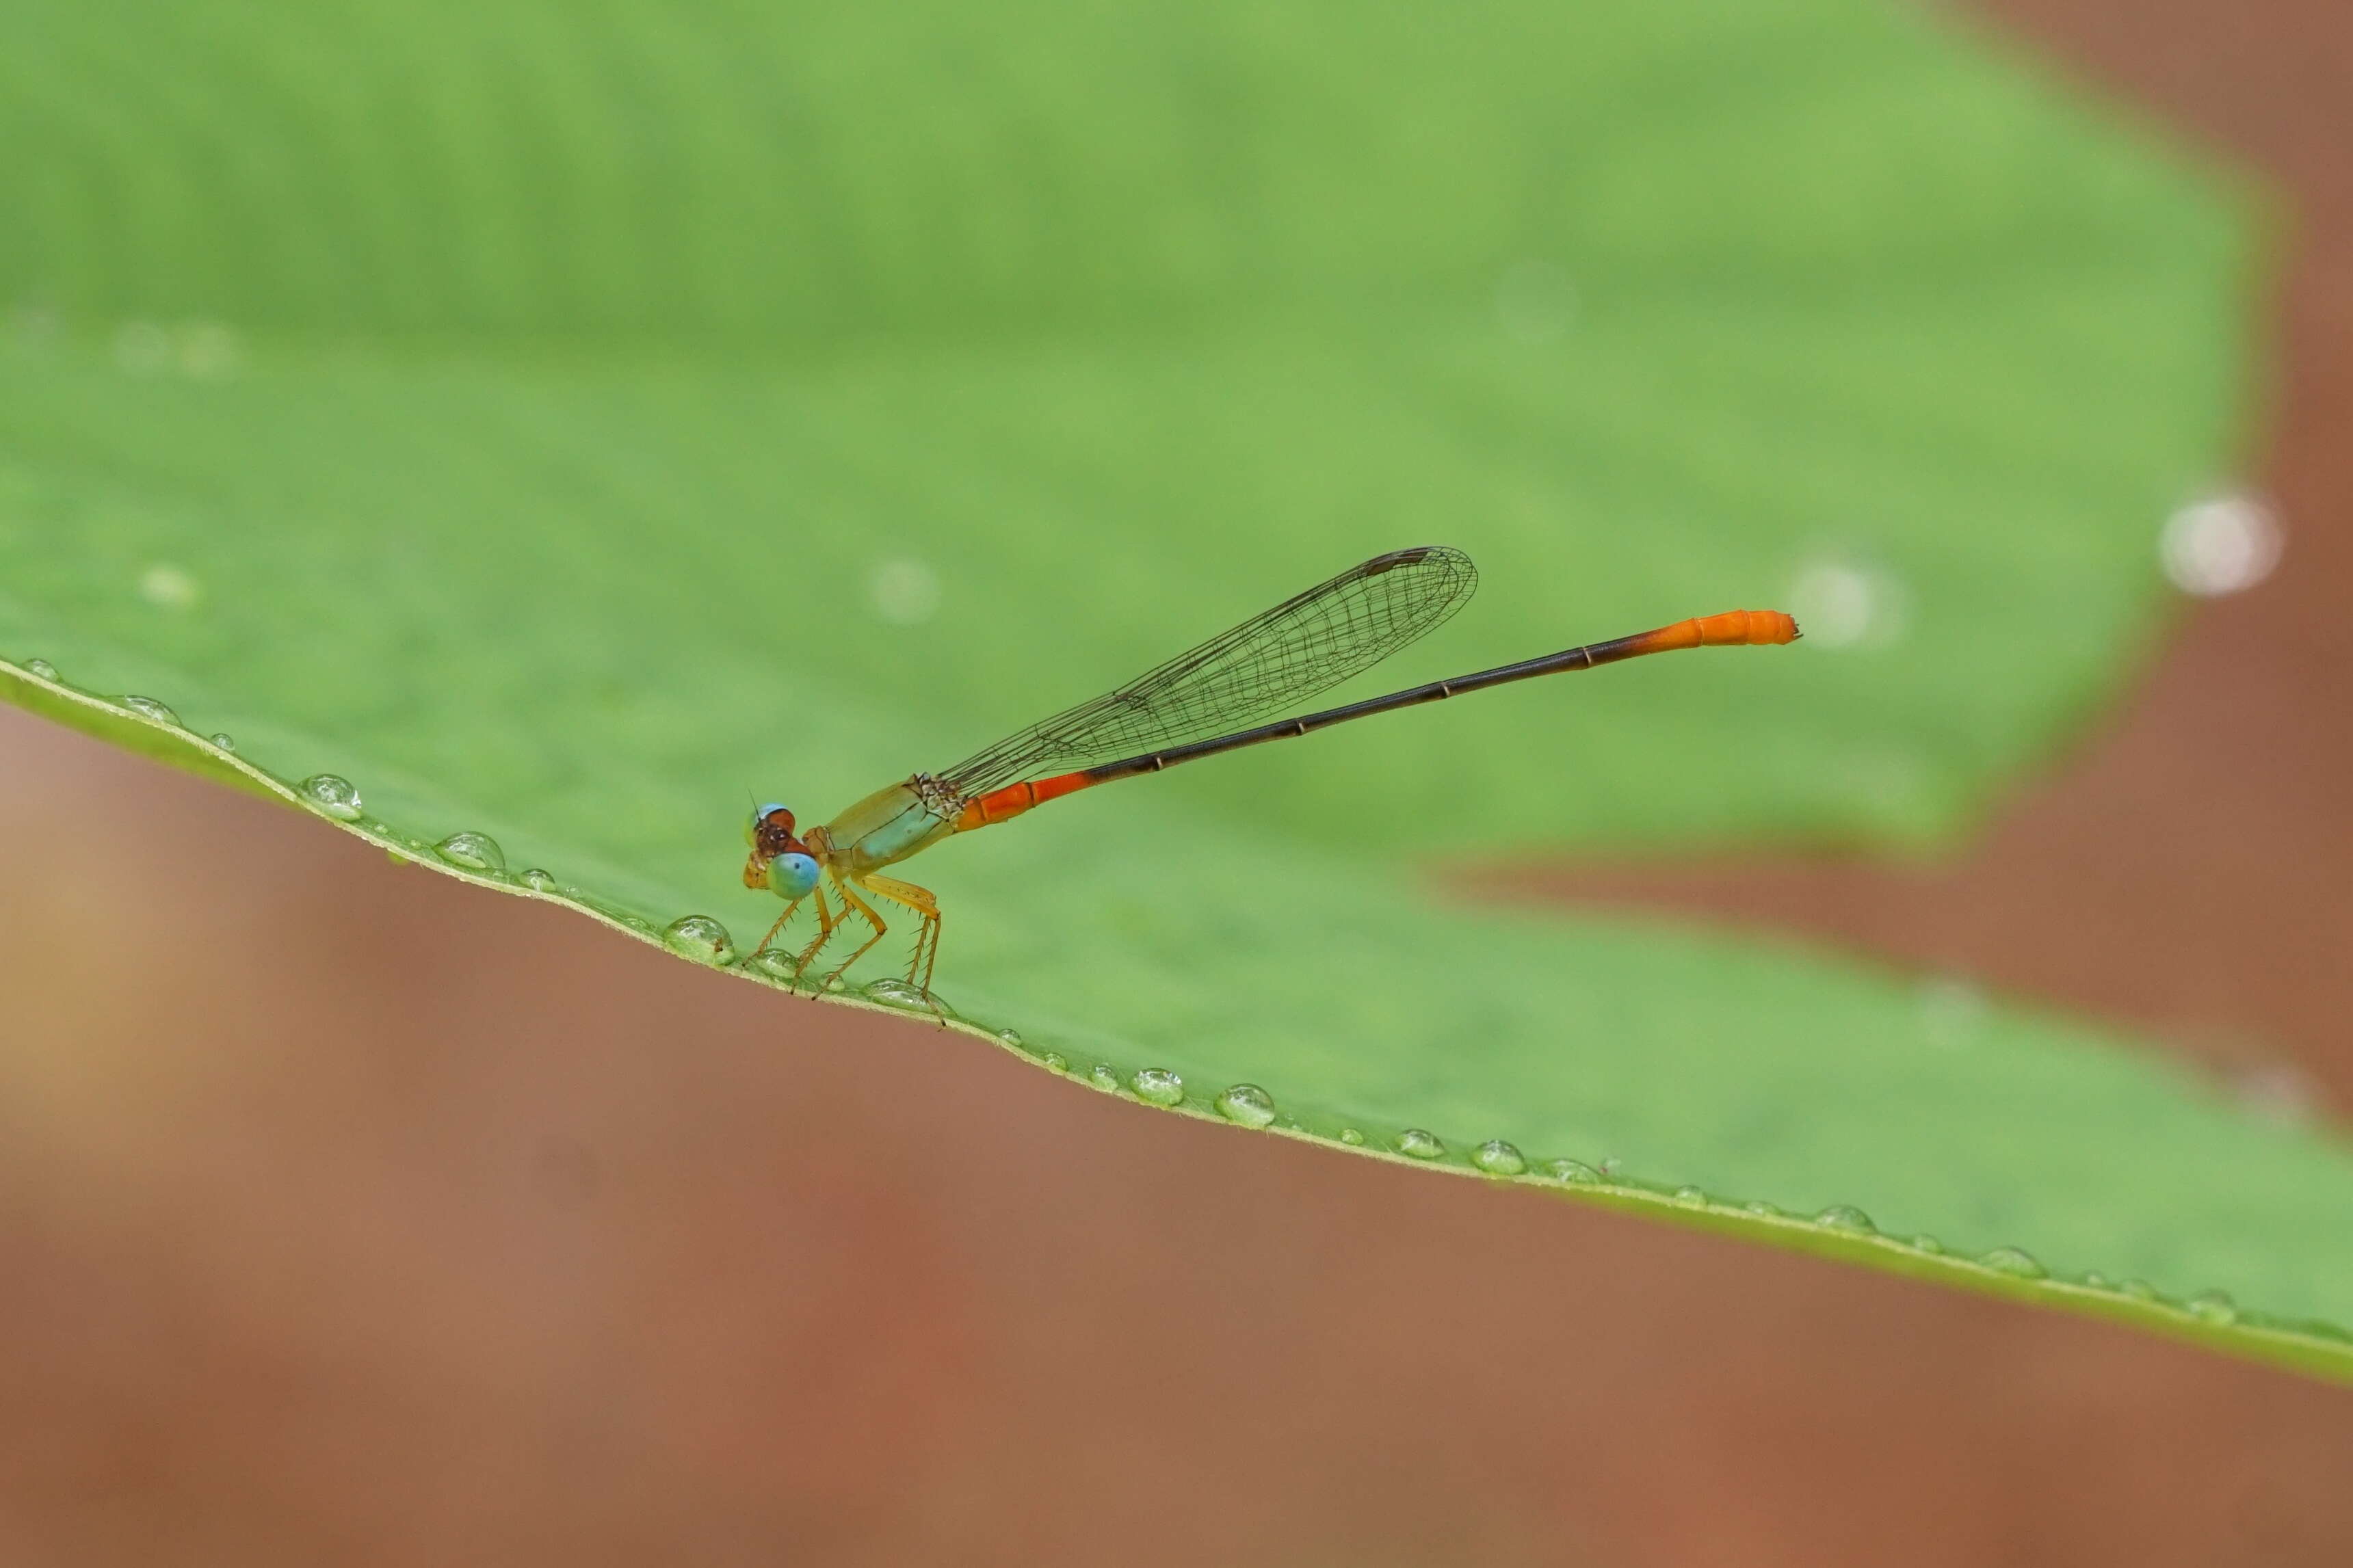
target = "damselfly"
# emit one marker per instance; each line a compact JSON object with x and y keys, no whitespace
{"x":1173,"y":713}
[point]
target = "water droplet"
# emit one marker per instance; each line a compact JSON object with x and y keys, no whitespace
{"x":1247,"y":1104}
{"x":700,"y":938}
{"x":474,"y":851}
{"x":1055,"y":1061}
{"x":1612,"y":1164}
{"x":208,"y":350}
{"x":1159,"y":1086}
{"x":1928,"y":1244}
{"x":1420,"y":1145}
{"x":141,"y":348}
{"x":335,"y":795}
{"x":537,"y":880}
{"x":169,"y":588}
{"x":1498,"y":1158}
{"x":1010,"y":1037}
{"x":2214,"y":1306}
{"x":1846,"y":603}
{"x":1691,"y":1197}
{"x":905,"y":593}
{"x":35,"y":326}
{"x":1844,"y":1216}
{"x":1534,"y":301}
{"x":897,"y":993}
{"x":2280,"y":1093}
{"x":1762,"y":1210}
{"x":224,"y":741}
{"x":776,"y":964}
{"x":1102,"y":1077}
{"x":41,"y":668}
{"x":2223,"y":544}
{"x":1952,"y":1011}
{"x":2013,"y":1261}
{"x":2138,"y":1289}
{"x":1572,"y":1170}
{"x":148,"y":708}
{"x":2096,"y":1281}
{"x":1351,"y":1137}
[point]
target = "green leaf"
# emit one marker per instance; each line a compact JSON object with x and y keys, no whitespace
{"x":567,"y":424}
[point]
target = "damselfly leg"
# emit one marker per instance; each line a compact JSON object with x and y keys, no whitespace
{"x":927,"y":940}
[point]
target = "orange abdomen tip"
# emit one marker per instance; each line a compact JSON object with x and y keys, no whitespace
{"x":1732,"y":628}
{"x":998,"y":805}
{"x":1747,"y":626}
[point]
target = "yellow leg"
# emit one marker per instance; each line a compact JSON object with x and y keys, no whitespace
{"x":850,"y":901}
{"x":927,"y":940}
{"x":825,"y":927}
{"x":769,"y":941}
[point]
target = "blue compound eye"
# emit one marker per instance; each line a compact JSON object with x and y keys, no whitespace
{"x":792,"y":875}
{"x":769,"y":810}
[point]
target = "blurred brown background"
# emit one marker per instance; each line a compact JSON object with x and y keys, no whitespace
{"x":568,"y":1253}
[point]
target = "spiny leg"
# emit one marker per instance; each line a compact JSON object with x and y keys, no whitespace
{"x":782,"y":921}
{"x":850,"y":901}
{"x":825,"y":928}
{"x":927,"y":940}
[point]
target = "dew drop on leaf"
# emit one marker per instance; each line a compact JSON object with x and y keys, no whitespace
{"x":1102,"y":1077}
{"x":1012,"y":1038}
{"x":148,"y":708}
{"x":897,"y":994}
{"x":1351,"y":1137}
{"x":1844,"y":1216}
{"x":1762,"y":1210}
{"x":1572,"y":1170}
{"x":42,"y":668}
{"x":224,"y":741}
{"x":1692,"y":1197}
{"x":334,"y":794}
{"x":1054,"y":1061}
{"x":169,"y":588}
{"x":1418,"y":1144}
{"x":773,"y":962}
{"x":1928,"y":1244}
{"x":1498,"y":1158}
{"x":2014,"y":1261}
{"x":2214,"y":1306}
{"x":1159,"y":1086}
{"x":1247,"y":1104}
{"x":537,"y":880}
{"x":700,"y":938}
{"x":473,"y":851}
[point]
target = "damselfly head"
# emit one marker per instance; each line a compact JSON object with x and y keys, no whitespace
{"x":770,"y":829}
{"x":770,"y":834}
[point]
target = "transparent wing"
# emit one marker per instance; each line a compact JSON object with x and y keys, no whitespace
{"x":1307,"y":645}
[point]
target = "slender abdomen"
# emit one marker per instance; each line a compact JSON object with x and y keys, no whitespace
{"x":1733,"y":627}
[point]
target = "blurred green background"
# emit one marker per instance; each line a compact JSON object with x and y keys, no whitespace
{"x":567,"y":422}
